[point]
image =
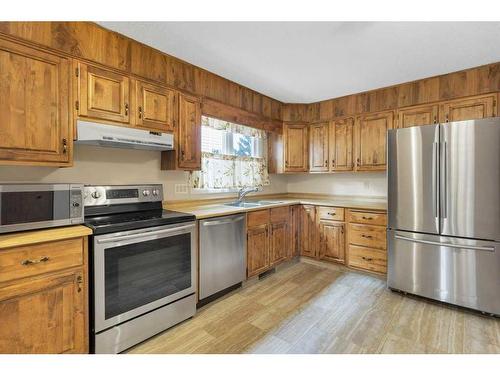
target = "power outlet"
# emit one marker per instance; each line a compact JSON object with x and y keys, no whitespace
{"x":181,"y":189}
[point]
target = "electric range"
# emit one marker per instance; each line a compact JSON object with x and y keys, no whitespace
{"x":142,"y":265}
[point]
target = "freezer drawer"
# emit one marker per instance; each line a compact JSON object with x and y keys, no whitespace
{"x":459,"y":271}
{"x":222,"y":253}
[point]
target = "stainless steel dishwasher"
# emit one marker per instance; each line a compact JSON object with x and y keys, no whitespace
{"x":222,"y":253}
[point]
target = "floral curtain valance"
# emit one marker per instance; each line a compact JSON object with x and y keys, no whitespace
{"x":233,"y":158}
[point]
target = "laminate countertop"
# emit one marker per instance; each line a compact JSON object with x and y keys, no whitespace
{"x":42,"y":235}
{"x":205,"y":209}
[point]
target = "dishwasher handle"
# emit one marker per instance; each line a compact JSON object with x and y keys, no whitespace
{"x":223,"y":221}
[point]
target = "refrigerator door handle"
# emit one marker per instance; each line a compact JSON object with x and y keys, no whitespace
{"x":447,"y":244}
{"x":444,"y":179}
{"x":435,"y":179}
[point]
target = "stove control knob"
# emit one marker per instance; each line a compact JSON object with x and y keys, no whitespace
{"x":145,"y":193}
{"x":96,"y":195}
{"x":156,"y":192}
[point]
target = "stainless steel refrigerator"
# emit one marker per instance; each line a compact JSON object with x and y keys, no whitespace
{"x":444,"y":212}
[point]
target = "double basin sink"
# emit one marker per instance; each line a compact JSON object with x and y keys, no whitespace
{"x":251,"y":204}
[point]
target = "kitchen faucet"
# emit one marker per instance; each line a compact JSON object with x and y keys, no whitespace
{"x":244,"y":191}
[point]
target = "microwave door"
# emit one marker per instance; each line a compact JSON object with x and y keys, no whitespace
{"x":413,"y":179}
{"x":470,"y":179}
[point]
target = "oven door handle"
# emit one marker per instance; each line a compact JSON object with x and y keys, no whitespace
{"x":144,"y":234}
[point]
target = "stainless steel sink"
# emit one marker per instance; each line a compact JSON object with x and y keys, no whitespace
{"x":242,"y":204}
{"x":251,"y":204}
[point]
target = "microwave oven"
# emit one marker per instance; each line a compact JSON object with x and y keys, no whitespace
{"x":35,"y":206}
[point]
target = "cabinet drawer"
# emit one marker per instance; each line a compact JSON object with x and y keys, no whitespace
{"x":41,"y":258}
{"x":279,"y":214}
{"x":256,"y":218}
{"x":367,"y":258}
{"x":331,"y":213}
{"x":367,"y":235}
{"x":372,"y":218}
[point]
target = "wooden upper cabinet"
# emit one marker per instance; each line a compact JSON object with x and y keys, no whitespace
{"x":318,"y":147}
{"x":44,"y":315}
{"x":155,"y":107}
{"x":418,"y":116}
{"x":34,"y":107}
{"x":189,"y":133}
{"x":257,"y":249}
{"x":102,"y":94}
{"x":477,"y":107}
{"x":371,"y":133}
{"x":295,"y":147}
{"x":275,"y":153}
{"x":341,"y":144}
{"x":332,"y":241}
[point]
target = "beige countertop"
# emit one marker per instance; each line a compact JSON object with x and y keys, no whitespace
{"x":205,"y":209}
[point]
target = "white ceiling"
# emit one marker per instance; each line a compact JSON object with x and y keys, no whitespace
{"x":302,"y":62}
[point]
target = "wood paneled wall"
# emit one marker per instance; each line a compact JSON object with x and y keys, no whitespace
{"x":89,"y":41}
{"x":475,"y":81}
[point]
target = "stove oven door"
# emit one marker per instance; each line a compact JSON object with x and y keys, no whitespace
{"x":140,"y":270}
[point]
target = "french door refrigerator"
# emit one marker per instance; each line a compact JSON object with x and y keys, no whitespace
{"x":444,"y":212}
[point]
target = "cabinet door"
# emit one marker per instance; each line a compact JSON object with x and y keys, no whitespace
{"x":308,"y":231}
{"x":102,"y":94}
{"x":473,"y":108}
{"x":44,"y":315}
{"x":418,"y":116}
{"x":34,"y":112}
{"x":257,"y":250}
{"x":294,"y":231}
{"x":318,"y":147}
{"x":341,"y":141}
{"x":296,"y":146}
{"x":371,"y":144}
{"x":189,"y":134}
{"x":278,"y":240}
{"x":332,"y":241}
{"x":274,"y":153}
{"x":155,"y":107}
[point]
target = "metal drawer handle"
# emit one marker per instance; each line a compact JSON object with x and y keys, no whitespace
{"x":456,"y":246}
{"x":367,"y":259}
{"x":332,"y":213}
{"x":366,"y":236}
{"x":28,"y":262}
{"x":367,"y":218}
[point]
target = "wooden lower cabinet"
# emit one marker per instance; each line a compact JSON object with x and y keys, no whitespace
{"x":257,"y":249}
{"x":269,"y":239}
{"x":278,"y":242}
{"x":308,"y":231}
{"x":367,"y":244}
{"x":47,"y":312}
{"x":332,"y":241}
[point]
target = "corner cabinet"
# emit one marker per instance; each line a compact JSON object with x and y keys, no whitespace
{"x":341,"y":144}
{"x":318,"y":147}
{"x":371,"y":133}
{"x":35,"y":124}
{"x":296,"y":145}
{"x":187,"y":153}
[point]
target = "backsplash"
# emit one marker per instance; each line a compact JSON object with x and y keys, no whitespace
{"x":369,"y":184}
{"x":97,"y":165}
{"x":113,"y":166}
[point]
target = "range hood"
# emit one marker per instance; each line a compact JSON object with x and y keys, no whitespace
{"x":92,"y":133}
